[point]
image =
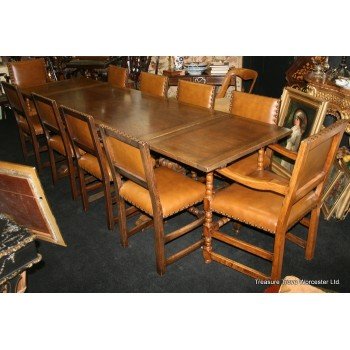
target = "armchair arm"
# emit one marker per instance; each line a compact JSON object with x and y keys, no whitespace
{"x":284,"y":151}
{"x":273,"y":185}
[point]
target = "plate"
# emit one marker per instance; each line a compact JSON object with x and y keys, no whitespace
{"x":343,"y":83}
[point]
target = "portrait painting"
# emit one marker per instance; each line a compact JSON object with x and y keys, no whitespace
{"x":304,"y":115}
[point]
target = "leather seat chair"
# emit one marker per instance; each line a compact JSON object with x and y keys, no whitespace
{"x":256,"y":107}
{"x":156,"y":85}
{"x":56,"y":137}
{"x":158,"y":192}
{"x":247,"y":75}
{"x":93,"y":169}
{"x":28,"y":73}
{"x":29,"y":127}
{"x":274,"y":204}
{"x":117,"y":76}
{"x":195,"y":94}
{"x":200,"y":95}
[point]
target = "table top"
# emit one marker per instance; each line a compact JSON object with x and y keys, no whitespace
{"x":199,"y":137}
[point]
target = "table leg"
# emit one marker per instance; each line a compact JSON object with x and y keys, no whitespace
{"x":261,"y":159}
{"x":207,"y":248}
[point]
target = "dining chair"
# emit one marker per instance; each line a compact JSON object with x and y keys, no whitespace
{"x":117,"y":76}
{"x":159,"y":192}
{"x":28,"y":73}
{"x":256,"y":107}
{"x":200,"y":95}
{"x":29,"y":127}
{"x":246,"y":75}
{"x":156,"y":85}
{"x":57,"y":139}
{"x":93,"y":169}
{"x":272,"y":203}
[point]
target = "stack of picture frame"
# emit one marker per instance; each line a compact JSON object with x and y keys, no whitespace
{"x":336,"y":195}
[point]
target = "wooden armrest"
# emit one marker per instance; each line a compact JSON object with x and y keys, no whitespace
{"x":284,"y":151}
{"x":273,"y":185}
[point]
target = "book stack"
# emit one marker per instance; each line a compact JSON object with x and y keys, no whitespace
{"x":219,"y":68}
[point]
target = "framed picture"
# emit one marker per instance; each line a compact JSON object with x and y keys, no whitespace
{"x":304,"y":115}
{"x":23,"y":199}
{"x":343,"y":204}
{"x":337,"y":185}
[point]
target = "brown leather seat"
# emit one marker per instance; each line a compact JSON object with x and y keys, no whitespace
{"x":159,"y":192}
{"x":29,"y":127}
{"x":274,"y":204}
{"x":156,"y":85}
{"x":117,"y":76}
{"x":92,"y":164}
{"x":201,"y":95}
{"x":261,"y":108}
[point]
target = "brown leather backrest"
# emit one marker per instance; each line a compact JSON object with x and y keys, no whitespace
{"x":79,"y":129}
{"x":315,"y":157}
{"x":46,"y":113}
{"x":14,"y":98}
{"x":153,"y":84}
{"x":125,"y":156}
{"x":196,"y":94}
{"x":28,"y":73}
{"x":261,"y":108}
{"x":117,"y":76}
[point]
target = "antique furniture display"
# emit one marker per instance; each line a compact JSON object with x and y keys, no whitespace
{"x":117,"y":76}
{"x":179,"y":131}
{"x":156,"y":85}
{"x":57,"y":139}
{"x":153,"y":191}
{"x":29,"y":127}
{"x":275,"y":204}
{"x":91,"y":161}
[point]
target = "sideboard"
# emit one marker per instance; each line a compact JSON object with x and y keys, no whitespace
{"x":204,"y":78}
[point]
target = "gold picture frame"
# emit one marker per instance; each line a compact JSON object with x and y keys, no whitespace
{"x":304,"y":114}
{"x":337,"y":186}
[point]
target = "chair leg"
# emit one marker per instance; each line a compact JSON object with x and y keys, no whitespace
{"x":278,"y":251}
{"x":22,"y":138}
{"x":83,"y":190}
{"x":72,"y":174}
{"x":122,"y":222}
{"x":53,"y":165}
{"x":312,"y":234}
{"x":36,"y":147}
{"x":159,"y":245}
{"x":109,"y":204}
